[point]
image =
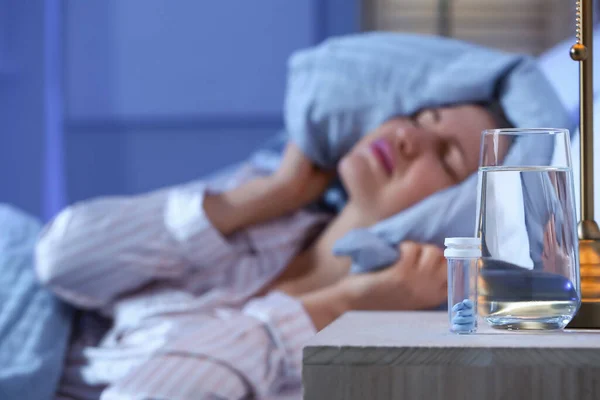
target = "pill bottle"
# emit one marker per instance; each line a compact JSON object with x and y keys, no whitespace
{"x":462,"y":255}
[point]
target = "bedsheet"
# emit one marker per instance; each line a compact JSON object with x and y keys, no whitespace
{"x":34,"y":325}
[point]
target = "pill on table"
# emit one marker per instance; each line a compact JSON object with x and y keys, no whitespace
{"x":463,"y":328}
{"x":465,"y":313}
{"x":463,"y":320}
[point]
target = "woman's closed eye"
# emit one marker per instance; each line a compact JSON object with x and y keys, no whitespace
{"x":452,"y":162}
{"x":427,"y":118}
{"x":449,"y":154}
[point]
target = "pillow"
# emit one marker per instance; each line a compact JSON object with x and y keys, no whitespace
{"x":344,"y":88}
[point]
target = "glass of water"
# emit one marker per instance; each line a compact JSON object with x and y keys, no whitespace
{"x":529,"y":271}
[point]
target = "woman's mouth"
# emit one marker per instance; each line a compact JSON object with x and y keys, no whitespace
{"x":383,"y":151}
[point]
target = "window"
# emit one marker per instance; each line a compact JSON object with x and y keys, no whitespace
{"x":529,"y":26}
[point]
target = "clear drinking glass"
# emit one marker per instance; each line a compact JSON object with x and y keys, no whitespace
{"x":529,"y":271}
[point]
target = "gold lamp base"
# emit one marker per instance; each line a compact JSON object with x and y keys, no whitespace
{"x":588,"y":316}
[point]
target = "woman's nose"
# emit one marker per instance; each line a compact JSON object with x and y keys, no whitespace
{"x":412,"y":141}
{"x":407,"y":142}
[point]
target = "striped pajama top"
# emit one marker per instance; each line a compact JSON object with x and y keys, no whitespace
{"x":171,"y":306}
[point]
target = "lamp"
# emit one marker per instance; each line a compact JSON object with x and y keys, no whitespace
{"x":588,"y":316}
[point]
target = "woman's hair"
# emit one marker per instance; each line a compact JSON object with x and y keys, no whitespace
{"x":495,"y":109}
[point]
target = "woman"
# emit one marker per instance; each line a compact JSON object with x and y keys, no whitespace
{"x":213,"y":288}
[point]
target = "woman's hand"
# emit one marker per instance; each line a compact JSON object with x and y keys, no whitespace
{"x":417,"y":281}
{"x":294,"y":185}
{"x":298,"y":179}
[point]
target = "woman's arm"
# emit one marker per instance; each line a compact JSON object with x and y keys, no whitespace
{"x":295,"y":184}
{"x":417,"y":281}
{"x":327,"y":304}
{"x":95,"y":250}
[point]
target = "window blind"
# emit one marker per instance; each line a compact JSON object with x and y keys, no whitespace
{"x":529,"y":26}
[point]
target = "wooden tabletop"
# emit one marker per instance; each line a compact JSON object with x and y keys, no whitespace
{"x":430,"y":329}
{"x":361,"y":348}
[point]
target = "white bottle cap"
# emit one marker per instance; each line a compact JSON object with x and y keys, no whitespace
{"x":462,"y":247}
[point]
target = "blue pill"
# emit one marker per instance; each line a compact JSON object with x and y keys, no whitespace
{"x":463,"y":328}
{"x":458,"y":307}
{"x":467,"y":303}
{"x":463,"y":320}
{"x":465,"y":313}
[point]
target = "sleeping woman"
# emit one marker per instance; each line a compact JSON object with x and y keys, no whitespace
{"x":210,"y":289}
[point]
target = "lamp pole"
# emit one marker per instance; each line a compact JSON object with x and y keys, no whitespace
{"x":588,"y":315}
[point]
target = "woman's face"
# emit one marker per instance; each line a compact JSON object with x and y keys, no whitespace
{"x":407,"y":159}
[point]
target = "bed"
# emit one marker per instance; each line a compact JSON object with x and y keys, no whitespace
{"x":34,"y":325}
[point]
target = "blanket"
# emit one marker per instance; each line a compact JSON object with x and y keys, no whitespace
{"x":34,"y":325}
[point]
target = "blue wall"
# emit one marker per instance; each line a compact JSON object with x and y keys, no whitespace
{"x":164,"y":92}
{"x":22,"y":121}
{"x":136,"y":94}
